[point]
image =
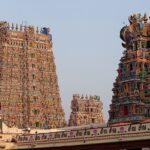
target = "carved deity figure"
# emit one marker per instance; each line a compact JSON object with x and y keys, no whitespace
{"x":3,"y":31}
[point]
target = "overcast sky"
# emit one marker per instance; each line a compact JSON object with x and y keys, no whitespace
{"x":86,"y":40}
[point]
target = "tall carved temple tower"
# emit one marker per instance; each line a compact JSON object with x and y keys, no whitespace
{"x":29,"y":92}
{"x":86,"y":110}
{"x":131,"y":98}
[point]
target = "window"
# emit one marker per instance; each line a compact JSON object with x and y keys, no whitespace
{"x":113,"y":115}
{"x":105,"y":131}
{"x":114,"y":130}
{"x":33,"y":65}
{"x":135,"y":45}
{"x":32,"y":55}
{"x":44,"y":136}
{"x":131,"y":67}
{"x":132,"y":87}
{"x":77,"y":109}
{"x":57,"y":135}
{"x":88,"y":133}
{"x":30,"y":44}
{"x":33,"y":76}
{"x":37,"y":137}
{"x":148,"y":44}
{"x":64,"y":135}
{"x":93,"y":120}
{"x":34,"y":98}
{"x":125,"y":110}
{"x":146,"y":67}
{"x":80,"y":133}
{"x":143,"y":127}
{"x":37,"y":124}
{"x":35,"y":112}
{"x":33,"y":87}
{"x":144,"y":44}
{"x":133,"y":128}
{"x":148,"y":112}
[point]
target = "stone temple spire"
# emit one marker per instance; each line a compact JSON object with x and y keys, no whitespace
{"x":86,"y":110}
{"x":131,"y":90}
{"x":29,"y":91}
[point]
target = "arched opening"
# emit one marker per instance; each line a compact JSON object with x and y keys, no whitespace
{"x":148,"y":112}
{"x":148,"y":44}
{"x":125,"y":110}
{"x":37,"y":124}
{"x":131,"y":67}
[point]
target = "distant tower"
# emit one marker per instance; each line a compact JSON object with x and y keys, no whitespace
{"x":29,"y":91}
{"x":131,"y":98}
{"x":86,"y":110}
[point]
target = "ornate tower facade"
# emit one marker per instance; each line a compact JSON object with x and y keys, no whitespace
{"x":29,"y":92}
{"x":86,"y":110}
{"x":131,"y":91}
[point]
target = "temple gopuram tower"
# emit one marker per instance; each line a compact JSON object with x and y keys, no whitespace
{"x":86,"y":110}
{"x":29,"y":91}
{"x":131,"y":91}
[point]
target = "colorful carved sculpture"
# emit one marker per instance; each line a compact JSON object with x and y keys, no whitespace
{"x":131,"y":91}
{"x":86,"y":110}
{"x":29,"y":91}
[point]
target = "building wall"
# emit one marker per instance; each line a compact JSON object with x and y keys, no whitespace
{"x":29,"y":91}
{"x":86,"y":110}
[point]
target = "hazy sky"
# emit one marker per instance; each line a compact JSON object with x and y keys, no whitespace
{"x":86,"y":40}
